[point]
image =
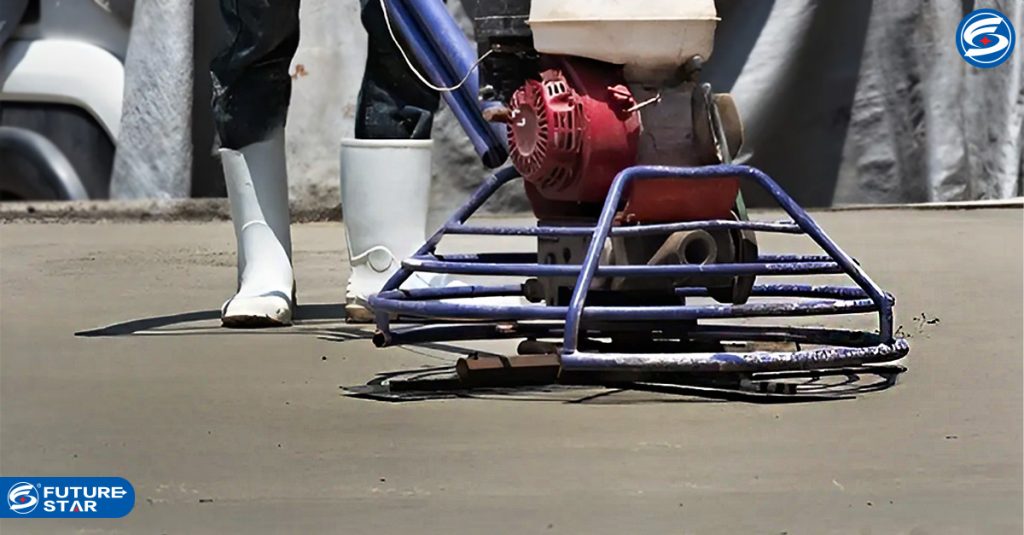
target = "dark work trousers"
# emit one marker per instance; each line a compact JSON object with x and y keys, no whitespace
{"x":252,"y":85}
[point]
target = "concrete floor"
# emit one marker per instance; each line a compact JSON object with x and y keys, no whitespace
{"x":225,"y":431}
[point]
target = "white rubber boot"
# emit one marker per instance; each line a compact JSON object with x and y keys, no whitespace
{"x":385,"y":195}
{"x":257,"y":187}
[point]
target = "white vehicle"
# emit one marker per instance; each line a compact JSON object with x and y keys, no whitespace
{"x":61,"y":91}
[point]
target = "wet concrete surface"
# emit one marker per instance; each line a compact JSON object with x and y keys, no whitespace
{"x":226,"y":431}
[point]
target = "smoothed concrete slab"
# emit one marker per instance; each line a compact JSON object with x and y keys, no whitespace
{"x":226,"y":431}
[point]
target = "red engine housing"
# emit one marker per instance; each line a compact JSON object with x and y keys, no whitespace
{"x":572,"y":131}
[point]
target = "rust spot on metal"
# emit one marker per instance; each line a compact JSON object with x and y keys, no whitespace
{"x":508,"y":371}
{"x":497,"y":114}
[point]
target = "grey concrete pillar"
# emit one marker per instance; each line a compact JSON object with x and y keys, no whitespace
{"x":154,"y":154}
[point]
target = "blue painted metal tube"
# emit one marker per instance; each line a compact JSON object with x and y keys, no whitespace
{"x":485,"y":257}
{"x":430,"y":265}
{"x":783,"y":227}
{"x":759,"y":361}
{"x":391,"y":302}
{"x":813,"y":307}
{"x":736,"y":333}
{"x":787,"y":290}
{"x":803,"y":335}
{"x":849,"y":265}
{"x":793,"y":258}
{"x":456,"y":53}
{"x":848,"y":293}
{"x":860,"y":347}
{"x":429,"y":43}
{"x":531,"y":257}
{"x":458,"y":292}
{"x":602,"y":230}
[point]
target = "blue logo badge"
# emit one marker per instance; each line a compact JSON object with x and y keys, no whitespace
{"x":22,"y":498}
{"x":66,"y":497}
{"x":985,"y":38}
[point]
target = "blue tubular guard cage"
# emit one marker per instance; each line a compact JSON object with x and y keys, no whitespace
{"x":463,"y":319}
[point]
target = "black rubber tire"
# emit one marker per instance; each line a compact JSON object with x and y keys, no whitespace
{"x":76,"y":133}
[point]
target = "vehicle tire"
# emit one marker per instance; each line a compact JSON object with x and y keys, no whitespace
{"x":74,"y":132}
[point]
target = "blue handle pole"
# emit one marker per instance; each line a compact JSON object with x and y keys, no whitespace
{"x":441,"y":49}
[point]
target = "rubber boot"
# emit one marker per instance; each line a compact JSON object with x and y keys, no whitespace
{"x":257,"y":185}
{"x":385,"y":196}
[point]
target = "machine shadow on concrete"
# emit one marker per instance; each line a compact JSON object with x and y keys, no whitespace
{"x":441,"y":382}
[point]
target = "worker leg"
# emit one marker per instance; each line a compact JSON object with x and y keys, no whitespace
{"x":251,"y":83}
{"x":251,"y":90}
{"x":386,"y":171}
{"x":393,"y":103}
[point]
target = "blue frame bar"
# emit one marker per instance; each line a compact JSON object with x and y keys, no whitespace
{"x":840,"y":347}
{"x":440,"y":48}
{"x":428,"y":265}
{"x":800,"y":217}
{"x":638,"y":230}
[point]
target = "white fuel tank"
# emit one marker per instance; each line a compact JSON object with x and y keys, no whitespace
{"x":652,"y":38}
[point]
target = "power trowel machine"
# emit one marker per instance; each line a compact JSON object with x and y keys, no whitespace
{"x":644,"y":247}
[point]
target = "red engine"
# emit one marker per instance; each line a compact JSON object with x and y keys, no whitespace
{"x":573,"y":130}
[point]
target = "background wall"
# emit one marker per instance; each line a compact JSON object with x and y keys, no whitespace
{"x":844,"y":102}
{"x":870,"y":102}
